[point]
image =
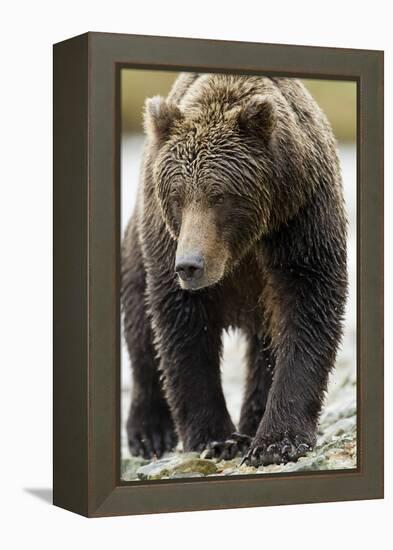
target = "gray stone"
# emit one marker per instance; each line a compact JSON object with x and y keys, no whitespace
{"x":177,"y":466}
{"x":129,"y":467}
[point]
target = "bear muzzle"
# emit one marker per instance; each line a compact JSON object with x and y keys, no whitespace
{"x":200,"y":254}
{"x":190,"y":269}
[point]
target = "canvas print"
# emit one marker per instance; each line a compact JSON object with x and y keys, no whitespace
{"x":238,"y":275}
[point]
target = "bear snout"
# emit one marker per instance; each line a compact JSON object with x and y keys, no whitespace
{"x":190,"y":268}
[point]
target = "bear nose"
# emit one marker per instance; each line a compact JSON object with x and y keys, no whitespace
{"x":190,"y":267}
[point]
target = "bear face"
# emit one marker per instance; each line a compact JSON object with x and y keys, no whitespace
{"x":212,"y":175}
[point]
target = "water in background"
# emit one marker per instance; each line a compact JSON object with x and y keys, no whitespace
{"x":342,"y":387}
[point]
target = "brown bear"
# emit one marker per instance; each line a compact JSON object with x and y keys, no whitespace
{"x":240,"y":223}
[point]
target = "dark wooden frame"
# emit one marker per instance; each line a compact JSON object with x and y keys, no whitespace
{"x":86,"y":273}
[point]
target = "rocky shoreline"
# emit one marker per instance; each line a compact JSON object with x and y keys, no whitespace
{"x":335,"y":449}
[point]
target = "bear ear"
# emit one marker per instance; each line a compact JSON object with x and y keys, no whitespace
{"x":258,"y":116}
{"x":160,"y":116}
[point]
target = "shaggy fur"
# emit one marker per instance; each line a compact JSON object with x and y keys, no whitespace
{"x":243,"y":170}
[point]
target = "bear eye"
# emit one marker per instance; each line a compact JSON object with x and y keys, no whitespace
{"x":217,"y":199}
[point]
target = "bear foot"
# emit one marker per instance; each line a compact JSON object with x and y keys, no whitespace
{"x":264,"y":450}
{"x":228,"y":449}
{"x":150,"y":433}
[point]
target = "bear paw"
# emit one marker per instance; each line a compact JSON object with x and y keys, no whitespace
{"x":150,"y":434}
{"x":228,"y":449}
{"x":263,"y":452}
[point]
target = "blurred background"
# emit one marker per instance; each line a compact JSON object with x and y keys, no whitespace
{"x":338,"y":100}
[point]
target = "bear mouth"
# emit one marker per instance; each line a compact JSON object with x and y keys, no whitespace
{"x":194,"y":284}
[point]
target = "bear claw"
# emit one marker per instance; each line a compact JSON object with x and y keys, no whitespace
{"x":150,"y":438}
{"x":228,"y":449}
{"x":278,"y":452}
{"x":153,"y":444}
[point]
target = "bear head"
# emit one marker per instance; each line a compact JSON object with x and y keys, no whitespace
{"x":212,"y":169}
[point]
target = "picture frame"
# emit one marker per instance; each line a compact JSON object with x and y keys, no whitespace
{"x":86,"y":384}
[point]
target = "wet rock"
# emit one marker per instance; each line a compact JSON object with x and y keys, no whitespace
{"x":244,"y":470}
{"x":179,"y":475}
{"x":177,"y":466}
{"x":227,"y":467}
{"x":130,"y":466}
{"x":344,"y":426}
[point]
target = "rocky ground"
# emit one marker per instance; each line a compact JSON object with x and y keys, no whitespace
{"x":335,"y":449}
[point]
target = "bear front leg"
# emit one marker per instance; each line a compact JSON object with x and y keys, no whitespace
{"x":260,"y":368}
{"x":188,"y":334}
{"x":306,"y":335}
{"x":150,"y":428}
